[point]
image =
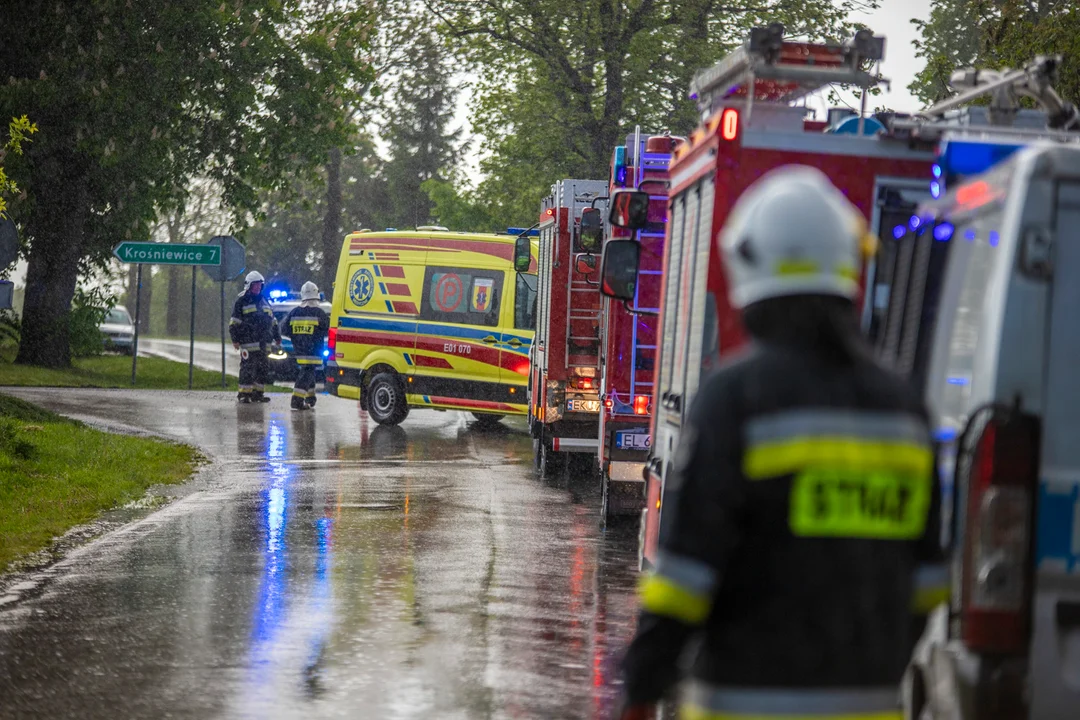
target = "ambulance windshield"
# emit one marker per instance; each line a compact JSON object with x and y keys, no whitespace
{"x":525,"y":302}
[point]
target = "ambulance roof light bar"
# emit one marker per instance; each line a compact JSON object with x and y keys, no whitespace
{"x":1006,"y":87}
{"x":767,"y":67}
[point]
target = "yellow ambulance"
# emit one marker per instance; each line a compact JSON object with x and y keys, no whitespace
{"x":429,"y":318}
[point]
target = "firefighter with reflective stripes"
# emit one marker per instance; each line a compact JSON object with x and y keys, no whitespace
{"x":307,"y":326}
{"x":800,"y":548}
{"x":254,"y":331}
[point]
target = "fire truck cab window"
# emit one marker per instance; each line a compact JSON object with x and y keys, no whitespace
{"x":906,"y":294}
{"x":525,"y":302}
{"x":462,"y":296}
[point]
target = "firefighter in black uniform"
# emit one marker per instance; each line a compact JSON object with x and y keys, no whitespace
{"x":307,"y":325}
{"x":800,"y":543}
{"x":254,"y":331}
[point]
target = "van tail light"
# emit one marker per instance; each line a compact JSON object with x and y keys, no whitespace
{"x":641,"y":405}
{"x":999,"y":473}
{"x":331,"y":340}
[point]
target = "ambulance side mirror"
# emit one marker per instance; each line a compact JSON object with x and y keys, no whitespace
{"x":629,"y":209}
{"x":592,"y":229}
{"x":522,"y":254}
{"x":619,"y":269}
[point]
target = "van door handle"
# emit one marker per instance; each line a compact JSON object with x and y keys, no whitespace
{"x":490,"y":340}
{"x":514,"y":342}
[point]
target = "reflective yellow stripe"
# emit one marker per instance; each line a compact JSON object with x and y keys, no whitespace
{"x":796,"y":267}
{"x":883,"y":506}
{"x":308,"y":361}
{"x":926,"y":599}
{"x":775,"y":459}
{"x":249,"y":309}
{"x":661,"y":596}
{"x":931,"y":588}
{"x":235,"y":321}
{"x":692,"y":712}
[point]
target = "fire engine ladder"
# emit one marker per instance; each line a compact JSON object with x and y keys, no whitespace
{"x":768,"y":68}
{"x":644,"y":162}
{"x":575,"y":313}
{"x":1006,"y":87}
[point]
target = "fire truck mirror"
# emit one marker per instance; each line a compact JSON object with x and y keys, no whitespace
{"x":592,"y":229}
{"x":586,"y":264}
{"x":619,"y":269}
{"x":629,"y":209}
{"x":522,"y":254}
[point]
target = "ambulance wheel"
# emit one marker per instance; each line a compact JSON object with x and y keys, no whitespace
{"x":386,"y":399}
{"x":487,"y":420}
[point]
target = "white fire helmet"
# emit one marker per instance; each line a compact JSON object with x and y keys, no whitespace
{"x":253,"y":277}
{"x":793,"y":233}
{"x":309,"y":291}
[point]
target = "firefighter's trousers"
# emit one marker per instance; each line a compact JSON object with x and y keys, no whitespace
{"x":254,"y":372}
{"x":304,"y":387}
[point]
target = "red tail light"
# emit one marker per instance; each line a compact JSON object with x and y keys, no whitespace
{"x":582,"y":383}
{"x":331,"y":340}
{"x":1000,"y":476}
{"x":609,"y":403}
{"x":641,"y":405}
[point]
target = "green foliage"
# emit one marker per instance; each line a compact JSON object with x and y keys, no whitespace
{"x":458,"y":210}
{"x":421,"y":147}
{"x":57,"y":474}
{"x":10,"y":328}
{"x":15,"y":409}
{"x":19,"y":131}
{"x":562,"y":83}
{"x":113,"y":371}
{"x":88,"y":309}
{"x":12,"y":444}
{"x":996,"y":34}
{"x":135,"y":98}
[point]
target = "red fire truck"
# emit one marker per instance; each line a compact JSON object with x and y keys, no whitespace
{"x":564,"y":399}
{"x":628,"y":340}
{"x":751,"y":127}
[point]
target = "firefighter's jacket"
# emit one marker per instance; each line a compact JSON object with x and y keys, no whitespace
{"x":799,"y":543}
{"x":306,"y":326}
{"x":252,"y":323}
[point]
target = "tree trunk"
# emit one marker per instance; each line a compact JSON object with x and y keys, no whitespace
{"x":174,"y":303}
{"x":331,"y":234}
{"x":56,"y":229}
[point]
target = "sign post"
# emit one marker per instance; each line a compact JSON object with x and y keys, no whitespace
{"x":233,"y":260}
{"x":152,"y":253}
{"x":9,"y":252}
{"x":135,"y":340}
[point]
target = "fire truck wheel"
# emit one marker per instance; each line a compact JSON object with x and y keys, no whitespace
{"x":550,"y":462}
{"x":386,"y":399}
{"x":487,"y":420}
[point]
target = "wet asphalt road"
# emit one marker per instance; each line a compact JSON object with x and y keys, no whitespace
{"x":328,"y":567}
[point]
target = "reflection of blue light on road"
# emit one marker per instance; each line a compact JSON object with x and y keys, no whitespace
{"x":268,"y":608}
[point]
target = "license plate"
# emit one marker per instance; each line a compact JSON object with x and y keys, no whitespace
{"x":632,"y":440}
{"x":592,"y":406}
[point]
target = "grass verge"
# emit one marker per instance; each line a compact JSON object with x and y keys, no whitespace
{"x":56,"y":473}
{"x":113,"y":371}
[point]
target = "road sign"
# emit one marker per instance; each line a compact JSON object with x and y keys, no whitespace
{"x":9,"y":242}
{"x":150,"y":253}
{"x":233,"y":261}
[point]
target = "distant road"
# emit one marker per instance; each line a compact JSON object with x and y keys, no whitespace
{"x":207,"y":354}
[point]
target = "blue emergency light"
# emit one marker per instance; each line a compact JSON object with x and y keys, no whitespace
{"x":960,"y":158}
{"x":522,"y":231}
{"x":279,"y":294}
{"x":620,"y":165}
